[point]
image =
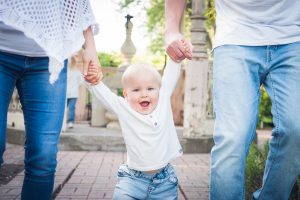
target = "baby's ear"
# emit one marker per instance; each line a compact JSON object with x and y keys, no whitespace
{"x":124,"y":93}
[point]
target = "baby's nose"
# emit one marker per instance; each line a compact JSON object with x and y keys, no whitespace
{"x":144,"y":93}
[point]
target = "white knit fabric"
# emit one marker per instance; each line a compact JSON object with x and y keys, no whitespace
{"x":56,"y":25}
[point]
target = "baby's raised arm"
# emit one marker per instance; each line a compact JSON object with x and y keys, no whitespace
{"x":102,"y":93}
{"x":172,"y":72}
{"x":170,"y":76}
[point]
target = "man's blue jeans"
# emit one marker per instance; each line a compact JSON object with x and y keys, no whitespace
{"x":71,"y":103}
{"x":238,"y":73}
{"x":43,"y":108}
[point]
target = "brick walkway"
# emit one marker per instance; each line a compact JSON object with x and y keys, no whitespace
{"x":92,"y":175}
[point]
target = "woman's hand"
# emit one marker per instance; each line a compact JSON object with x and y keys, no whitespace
{"x":90,"y":58}
{"x":94,"y":75}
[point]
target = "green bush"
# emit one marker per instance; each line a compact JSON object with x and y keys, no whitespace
{"x":264,"y":114}
{"x":120,"y":92}
{"x":255,"y":165}
{"x":110,"y":59}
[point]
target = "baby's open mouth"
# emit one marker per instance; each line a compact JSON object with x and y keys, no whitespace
{"x":144,"y":103}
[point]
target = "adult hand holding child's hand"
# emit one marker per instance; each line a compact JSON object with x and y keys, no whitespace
{"x":94,"y":74}
{"x":178,"y":48}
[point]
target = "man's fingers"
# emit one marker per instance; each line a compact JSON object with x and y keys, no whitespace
{"x":185,"y":52}
{"x":187,"y":48}
{"x":172,"y":55}
{"x":188,"y":55}
{"x":175,"y":53}
{"x":179,"y":53}
{"x":179,"y":50}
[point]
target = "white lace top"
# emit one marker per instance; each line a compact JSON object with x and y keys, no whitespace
{"x":56,"y":25}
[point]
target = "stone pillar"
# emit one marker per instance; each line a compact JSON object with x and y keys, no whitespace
{"x":198,"y":122}
{"x":98,"y":113}
{"x":128,"y":49}
{"x":15,"y":117}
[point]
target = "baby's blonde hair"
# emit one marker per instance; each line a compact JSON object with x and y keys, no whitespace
{"x":134,"y":70}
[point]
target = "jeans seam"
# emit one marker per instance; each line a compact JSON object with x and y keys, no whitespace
{"x":276,"y":130}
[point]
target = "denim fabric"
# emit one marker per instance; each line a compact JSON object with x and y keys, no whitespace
{"x":134,"y":184}
{"x":43,"y":108}
{"x":238,"y":73}
{"x":71,"y":103}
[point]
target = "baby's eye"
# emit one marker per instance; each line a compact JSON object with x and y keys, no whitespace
{"x":150,"y":88}
{"x":135,"y":90}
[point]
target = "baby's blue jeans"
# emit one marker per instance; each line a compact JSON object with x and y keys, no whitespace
{"x":134,"y":184}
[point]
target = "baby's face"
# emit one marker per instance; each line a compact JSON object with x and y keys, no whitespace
{"x":141,"y":92}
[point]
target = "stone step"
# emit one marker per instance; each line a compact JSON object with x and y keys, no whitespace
{"x":83,"y":137}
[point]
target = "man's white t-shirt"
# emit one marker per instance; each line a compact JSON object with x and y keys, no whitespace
{"x":151,"y":140}
{"x":257,"y":22}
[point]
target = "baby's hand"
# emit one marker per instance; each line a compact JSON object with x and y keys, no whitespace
{"x":94,"y":74}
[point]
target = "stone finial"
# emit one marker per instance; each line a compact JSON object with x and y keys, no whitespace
{"x":128,"y":48}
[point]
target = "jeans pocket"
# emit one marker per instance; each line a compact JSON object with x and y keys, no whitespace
{"x":172,"y":176}
{"x":123,"y":171}
{"x":173,"y":180}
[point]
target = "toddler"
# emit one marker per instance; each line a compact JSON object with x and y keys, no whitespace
{"x":146,"y":120}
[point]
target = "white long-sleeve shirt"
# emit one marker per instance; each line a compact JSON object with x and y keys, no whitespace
{"x":151,"y":140}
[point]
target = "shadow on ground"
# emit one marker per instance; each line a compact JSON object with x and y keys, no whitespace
{"x":8,"y":172}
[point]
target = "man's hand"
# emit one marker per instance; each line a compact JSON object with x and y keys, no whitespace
{"x":179,"y":49}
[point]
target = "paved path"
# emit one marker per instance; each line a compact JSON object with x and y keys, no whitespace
{"x":92,"y":175}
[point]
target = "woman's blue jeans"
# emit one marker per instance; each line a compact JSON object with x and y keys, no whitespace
{"x":238,"y":73}
{"x":43,"y":108}
{"x":71,"y":103}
